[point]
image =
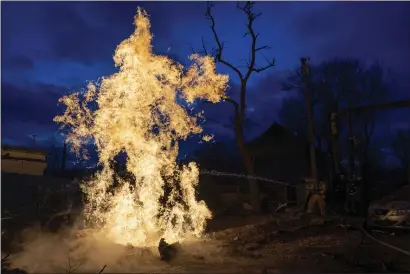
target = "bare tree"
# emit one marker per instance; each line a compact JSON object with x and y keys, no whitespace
{"x":244,"y":73}
{"x":338,"y":83}
{"x":401,"y":150}
{"x":372,"y":88}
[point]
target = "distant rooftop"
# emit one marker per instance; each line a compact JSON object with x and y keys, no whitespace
{"x":25,"y":149}
{"x":275,"y":134}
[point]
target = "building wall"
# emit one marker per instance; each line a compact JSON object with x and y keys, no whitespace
{"x":23,"y":162}
{"x":287,"y":164}
{"x":23,"y":154}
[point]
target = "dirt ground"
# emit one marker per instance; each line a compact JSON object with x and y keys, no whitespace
{"x":282,"y":243}
{"x":301,"y":242}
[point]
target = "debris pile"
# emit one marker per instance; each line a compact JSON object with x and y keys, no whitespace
{"x":278,"y":224}
{"x":257,"y":239}
{"x":304,"y":241}
{"x":6,"y":267}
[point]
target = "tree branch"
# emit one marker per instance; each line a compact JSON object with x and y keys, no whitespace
{"x":232,"y":101}
{"x":72,"y":269}
{"x":269,"y":64}
{"x":203,"y":46}
{"x":102,"y":270}
{"x":218,"y":52}
{"x":236,"y":113}
{"x":263,"y":47}
{"x":220,"y":123}
{"x":229,"y":100}
{"x":237,"y":117}
{"x":204,"y":50}
{"x":247,"y":9}
{"x":251,"y":65}
{"x":239,"y":113}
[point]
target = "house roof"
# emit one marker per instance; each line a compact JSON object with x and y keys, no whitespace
{"x":276,"y":134}
{"x":24,"y":149}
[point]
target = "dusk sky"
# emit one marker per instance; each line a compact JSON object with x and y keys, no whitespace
{"x":52,"y":48}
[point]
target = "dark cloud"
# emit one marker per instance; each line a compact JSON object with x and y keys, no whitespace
{"x":62,"y":32}
{"x":81,"y":31}
{"x":88,"y":33}
{"x":368,"y":30}
{"x":16,"y":62}
{"x":30,"y":110}
{"x":73,"y":37}
{"x":36,"y":103}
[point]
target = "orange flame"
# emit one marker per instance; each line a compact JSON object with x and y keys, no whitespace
{"x":130,"y":103}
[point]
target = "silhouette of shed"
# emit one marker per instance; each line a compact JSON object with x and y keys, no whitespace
{"x":281,"y":155}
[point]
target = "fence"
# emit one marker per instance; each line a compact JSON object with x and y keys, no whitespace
{"x":33,"y":196}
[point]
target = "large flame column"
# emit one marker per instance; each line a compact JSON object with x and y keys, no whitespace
{"x":136,"y":111}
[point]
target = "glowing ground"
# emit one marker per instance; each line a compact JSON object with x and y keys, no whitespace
{"x":245,"y":249}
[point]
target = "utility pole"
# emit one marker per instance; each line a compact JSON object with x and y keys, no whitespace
{"x":34,"y":139}
{"x":63,"y":160}
{"x":334,"y":130}
{"x":348,"y":113}
{"x":354,"y":189}
{"x":351,"y":147}
{"x":317,"y":190}
{"x":311,"y":134}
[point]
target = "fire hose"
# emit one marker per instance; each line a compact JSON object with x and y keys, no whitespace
{"x":363,"y":230}
{"x":361,"y":227}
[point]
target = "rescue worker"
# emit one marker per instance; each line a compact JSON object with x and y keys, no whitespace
{"x":317,"y":196}
{"x":353,"y":195}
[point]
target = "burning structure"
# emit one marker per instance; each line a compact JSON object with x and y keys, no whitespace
{"x":136,"y":111}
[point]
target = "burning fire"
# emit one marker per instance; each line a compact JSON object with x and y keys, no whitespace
{"x":136,"y":111}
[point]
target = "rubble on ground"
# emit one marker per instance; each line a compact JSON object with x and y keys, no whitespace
{"x":321,"y":243}
{"x":253,"y":240}
{"x":278,"y":223}
{"x":6,"y":267}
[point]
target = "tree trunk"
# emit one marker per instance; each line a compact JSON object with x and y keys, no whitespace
{"x":253,"y":184}
{"x":319,"y":143}
{"x":408,"y":172}
{"x":249,"y":167}
{"x":368,"y":132}
{"x":311,"y":133}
